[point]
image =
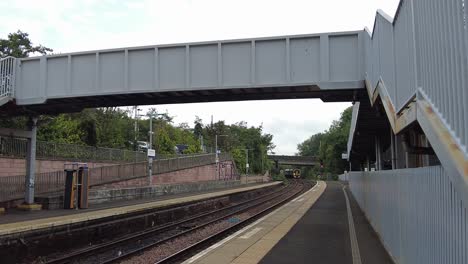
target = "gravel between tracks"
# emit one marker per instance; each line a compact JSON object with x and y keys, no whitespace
{"x":157,"y":253}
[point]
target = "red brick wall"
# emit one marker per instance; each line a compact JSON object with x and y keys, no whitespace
{"x":13,"y":167}
{"x":202,"y":173}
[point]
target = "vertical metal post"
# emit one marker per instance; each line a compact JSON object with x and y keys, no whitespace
{"x":31,"y":162}
{"x":393,"y":150}
{"x":150,"y":159}
{"x":216,"y":155}
{"x":378,"y":160}
{"x":246,"y":162}
{"x":151,"y":132}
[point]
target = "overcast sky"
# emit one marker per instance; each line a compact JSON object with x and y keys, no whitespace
{"x":66,"y":25}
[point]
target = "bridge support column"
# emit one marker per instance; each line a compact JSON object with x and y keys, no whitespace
{"x":378,"y":154}
{"x":400,"y":154}
{"x":29,"y":181}
{"x":31,"y":162}
{"x":393,"y":149}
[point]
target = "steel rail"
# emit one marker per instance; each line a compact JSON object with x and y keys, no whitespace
{"x":224,"y":232}
{"x":162,"y":241}
{"x":153,"y":231}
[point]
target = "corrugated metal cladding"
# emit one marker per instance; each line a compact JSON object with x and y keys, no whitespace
{"x":417,"y":213}
{"x":425,"y":47}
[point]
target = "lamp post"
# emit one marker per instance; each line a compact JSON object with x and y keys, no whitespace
{"x":135,"y":144}
{"x":151,"y":151}
{"x":136,"y":109}
{"x":216,"y":154}
{"x":246,"y":162}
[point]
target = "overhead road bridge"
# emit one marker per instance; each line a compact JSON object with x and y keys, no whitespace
{"x":293,"y":160}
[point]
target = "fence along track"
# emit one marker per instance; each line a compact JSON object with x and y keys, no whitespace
{"x":17,"y":147}
{"x":13,"y":187}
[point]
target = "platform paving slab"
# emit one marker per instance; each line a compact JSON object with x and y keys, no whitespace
{"x":322,"y":235}
{"x":251,"y":243}
{"x":310,"y":229}
{"x":370,"y":246}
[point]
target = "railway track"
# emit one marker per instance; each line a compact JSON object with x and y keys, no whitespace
{"x":167,"y":239}
{"x":184,"y":245}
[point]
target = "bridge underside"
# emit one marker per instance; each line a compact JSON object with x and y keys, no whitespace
{"x":76,"y":104}
{"x":301,"y":161}
{"x":299,"y":164}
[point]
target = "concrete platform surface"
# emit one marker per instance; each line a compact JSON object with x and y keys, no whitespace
{"x":314,"y":228}
{"x":21,"y":221}
{"x":252,"y":243}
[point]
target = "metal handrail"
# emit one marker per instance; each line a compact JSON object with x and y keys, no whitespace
{"x":7,"y":76}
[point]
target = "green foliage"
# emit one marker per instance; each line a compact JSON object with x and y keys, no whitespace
{"x":19,"y":45}
{"x":238,"y":139}
{"x":329,"y":145}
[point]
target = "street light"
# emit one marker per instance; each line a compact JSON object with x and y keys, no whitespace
{"x":136,"y":109}
{"x":216,"y":155}
{"x":150,"y":151}
{"x":247,"y":161}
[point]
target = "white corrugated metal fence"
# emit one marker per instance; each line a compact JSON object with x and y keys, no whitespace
{"x":417,"y":213}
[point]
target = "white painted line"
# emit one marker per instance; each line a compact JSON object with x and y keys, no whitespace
{"x":220,"y":243}
{"x":251,"y":233}
{"x":300,"y":200}
{"x":352,"y":232}
{"x":227,"y":239}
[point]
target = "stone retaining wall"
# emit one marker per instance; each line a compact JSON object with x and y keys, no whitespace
{"x":107,"y":195}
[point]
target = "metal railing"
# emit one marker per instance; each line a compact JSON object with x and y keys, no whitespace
{"x":418,"y":214}
{"x":13,"y":187}
{"x":17,"y":147}
{"x":7,"y":76}
{"x":424,"y":48}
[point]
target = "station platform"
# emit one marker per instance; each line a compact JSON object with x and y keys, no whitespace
{"x":312,"y":228}
{"x":19,"y":221}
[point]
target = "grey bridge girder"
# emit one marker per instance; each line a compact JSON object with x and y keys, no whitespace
{"x":329,"y":66}
{"x":294,"y":160}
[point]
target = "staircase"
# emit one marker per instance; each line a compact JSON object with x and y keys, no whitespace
{"x":7,"y":79}
{"x":409,"y":69}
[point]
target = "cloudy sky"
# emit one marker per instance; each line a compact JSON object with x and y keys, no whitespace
{"x":67,"y":25}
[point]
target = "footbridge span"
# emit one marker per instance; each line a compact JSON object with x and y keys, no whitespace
{"x":329,"y":66}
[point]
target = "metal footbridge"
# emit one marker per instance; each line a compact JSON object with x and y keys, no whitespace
{"x":329,"y":66}
{"x":408,"y":80}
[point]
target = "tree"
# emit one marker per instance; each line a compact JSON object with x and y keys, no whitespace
{"x":198,"y":128}
{"x":19,"y":45}
{"x":329,"y":145}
